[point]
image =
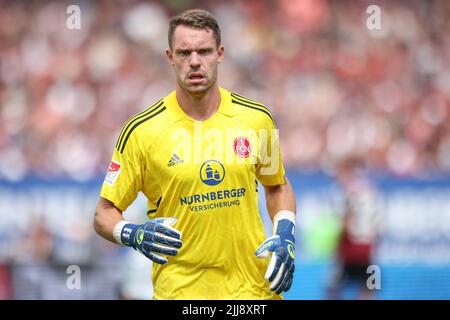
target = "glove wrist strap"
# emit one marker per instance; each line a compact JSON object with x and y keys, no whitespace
{"x":124,"y":232}
{"x":280,"y":215}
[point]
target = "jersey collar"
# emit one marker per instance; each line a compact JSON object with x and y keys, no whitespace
{"x":225,"y":106}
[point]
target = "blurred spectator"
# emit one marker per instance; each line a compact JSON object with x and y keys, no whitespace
{"x":360,"y":230}
{"x":32,"y":262}
{"x":6,"y":292}
{"x":39,"y":272}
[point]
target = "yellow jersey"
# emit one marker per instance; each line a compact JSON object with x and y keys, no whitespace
{"x":204,"y":173}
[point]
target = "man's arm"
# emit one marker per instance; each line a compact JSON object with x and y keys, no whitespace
{"x":106,"y":218}
{"x":280,"y":197}
{"x":154,"y":239}
{"x":281,"y":205}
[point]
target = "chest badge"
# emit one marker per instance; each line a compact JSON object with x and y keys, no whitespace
{"x":242,"y":147}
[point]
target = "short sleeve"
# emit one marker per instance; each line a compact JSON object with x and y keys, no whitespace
{"x":124,"y":177}
{"x":269,"y":169}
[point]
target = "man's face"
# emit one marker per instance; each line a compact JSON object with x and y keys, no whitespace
{"x":194,"y":57}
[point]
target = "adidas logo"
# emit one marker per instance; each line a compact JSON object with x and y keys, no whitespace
{"x":174,"y":160}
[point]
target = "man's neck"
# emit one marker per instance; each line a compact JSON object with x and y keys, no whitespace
{"x":199,"y":107}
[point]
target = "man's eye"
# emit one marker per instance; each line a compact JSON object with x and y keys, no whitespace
{"x":184,"y":53}
{"x":203,"y":52}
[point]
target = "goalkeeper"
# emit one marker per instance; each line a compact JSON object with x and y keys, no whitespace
{"x":204,"y":232}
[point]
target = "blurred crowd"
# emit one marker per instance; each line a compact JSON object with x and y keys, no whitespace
{"x":335,"y":87}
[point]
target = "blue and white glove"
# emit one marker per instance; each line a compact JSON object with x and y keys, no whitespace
{"x":280,"y":271}
{"x":153,"y":239}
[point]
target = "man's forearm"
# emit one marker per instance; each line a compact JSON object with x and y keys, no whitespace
{"x":106,"y":218}
{"x":281,"y":197}
{"x":281,"y":206}
{"x":154,"y":239}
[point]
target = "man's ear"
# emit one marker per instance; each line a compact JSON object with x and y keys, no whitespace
{"x":220,"y":52}
{"x":169,"y":55}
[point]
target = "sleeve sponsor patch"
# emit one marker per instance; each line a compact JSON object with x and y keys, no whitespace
{"x":113,"y":173}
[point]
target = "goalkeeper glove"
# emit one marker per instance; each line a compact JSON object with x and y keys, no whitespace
{"x":280,"y":271}
{"x":153,"y":239}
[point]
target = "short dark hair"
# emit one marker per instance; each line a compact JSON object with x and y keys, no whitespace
{"x":195,"y":18}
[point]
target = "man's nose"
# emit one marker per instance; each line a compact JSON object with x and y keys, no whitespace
{"x":194,"y":60}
